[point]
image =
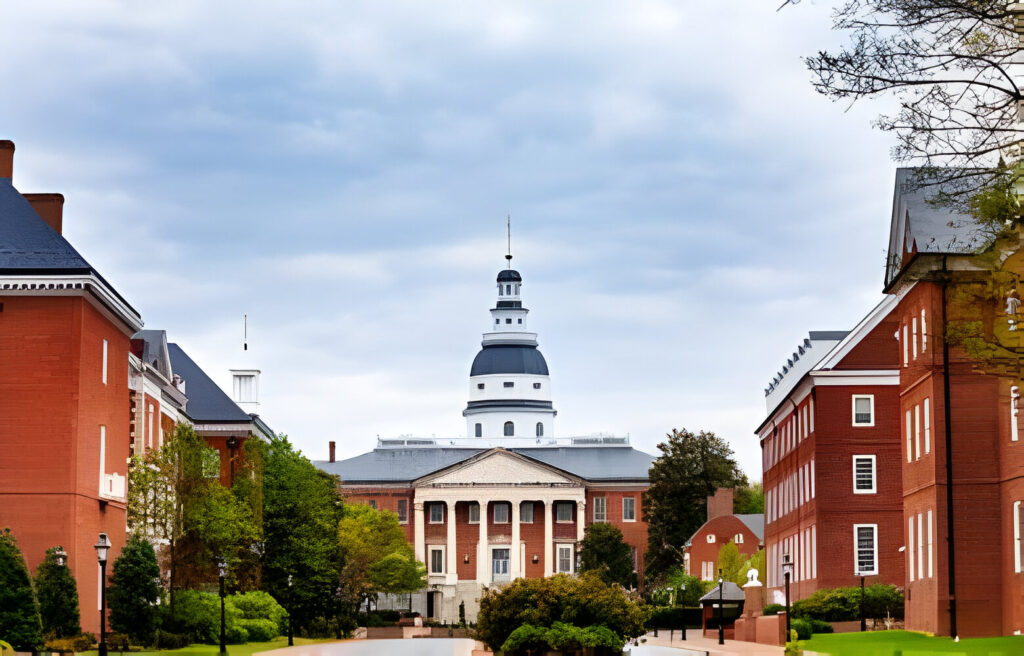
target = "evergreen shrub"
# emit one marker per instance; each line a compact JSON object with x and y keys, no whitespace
{"x":20,"y":623}
{"x":58,"y":598}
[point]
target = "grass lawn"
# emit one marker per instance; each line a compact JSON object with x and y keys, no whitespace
{"x":212,"y":650}
{"x":907,"y":643}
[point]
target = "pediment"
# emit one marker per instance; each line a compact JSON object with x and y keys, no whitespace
{"x":499,"y":467}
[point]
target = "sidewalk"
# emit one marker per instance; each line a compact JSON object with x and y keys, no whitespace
{"x":696,"y":642}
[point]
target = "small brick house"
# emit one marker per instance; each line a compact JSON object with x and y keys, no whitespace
{"x":722,"y":527}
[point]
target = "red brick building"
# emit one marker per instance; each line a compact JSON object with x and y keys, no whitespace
{"x":962,"y":451}
{"x":64,"y":397}
{"x":510,"y":501}
{"x":722,"y":527}
{"x":830,"y":449}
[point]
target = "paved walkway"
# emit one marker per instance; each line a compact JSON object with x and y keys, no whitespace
{"x":701,"y":645}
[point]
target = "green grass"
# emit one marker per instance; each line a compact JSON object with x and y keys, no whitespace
{"x":212,"y":650}
{"x":908,"y":643}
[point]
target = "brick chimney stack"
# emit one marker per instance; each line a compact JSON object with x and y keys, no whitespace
{"x":720,"y":503}
{"x":6,"y":158}
{"x":330,"y":448}
{"x":49,"y":207}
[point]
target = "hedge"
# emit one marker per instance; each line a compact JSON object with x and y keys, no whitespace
{"x":843,"y":604}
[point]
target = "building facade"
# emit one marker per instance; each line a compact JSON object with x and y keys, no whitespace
{"x":511,"y":500}
{"x":830,"y":454}
{"x":721,"y":528}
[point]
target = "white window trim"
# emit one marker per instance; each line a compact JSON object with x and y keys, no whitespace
{"x":853,"y":406}
{"x":913,"y":323}
{"x":559,"y":505}
{"x":103,"y":459}
{"x":924,"y":332}
{"x":1014,"y":395}
{"x":105,"y":352}
{"x":430,"y":513}
{"x":927,"y":425}
{"x":910,"y":436}
{"x":906,"y":347}
{"x":931,"y":546}
{"x":572,"y":557}
{"x":400,"y":520}
{"x":917,"y":431}
{"x":522,"y":515}
{"x":910,"y":548}
{"x":738,"y":538}
{"x":874,"y":473}
{"x":856,"y":550}
{"x":494,"y":513}
{"x":920,"y":546}
{"x":711,"y":538}
{"x":603,"y":503}
{"x":624,"y":518}
{"x":430,"y":558}
{"x":1016,"y":537}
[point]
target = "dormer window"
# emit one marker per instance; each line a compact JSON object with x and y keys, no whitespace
{"x":509,"y":384}
{"x":245,"y":387}
{"x":479,"y":385}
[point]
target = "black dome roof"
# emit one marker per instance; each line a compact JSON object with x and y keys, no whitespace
{"x":509,"y":359}
{"x":509,"y":275}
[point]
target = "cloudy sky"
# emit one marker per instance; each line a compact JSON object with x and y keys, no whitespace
{"x":685,"y":207}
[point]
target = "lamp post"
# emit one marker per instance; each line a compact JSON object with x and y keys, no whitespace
{"x":291,"y":641}
{"x":863,"y":620}
{"x":102,"y":547}
{"x":232,"y":444}
{"x":61,"y":556}
{"x":721,"y":609}
{"x":682,"y":589}
{"x":222,"y":570}
{"x":787,"y":571}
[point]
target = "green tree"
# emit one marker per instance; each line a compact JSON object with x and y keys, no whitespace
{"x":134,"y":591}
{"x":301,"y":511}
{"x":604,"y":551}
{"x":20,"y":624}
{"x":686,"y":590}
{"x":691,"y":466}
{"x":368,"y":536}
{"x":749,"y":499}
{"x":58,"y":597}
{"x":732,"y":564}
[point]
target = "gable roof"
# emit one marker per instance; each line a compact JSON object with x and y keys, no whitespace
{"x":404,"y":465}
{"x":154,"y":350}
{"x":207,"y":402}
{"x":730,"y":592}
{"x":755,"y":522}
{"x":553,"y":474}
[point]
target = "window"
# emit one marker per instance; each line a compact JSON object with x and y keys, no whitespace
{"x":863,"y":410}
{"x":1014,"y":412}
{"x":501,"y":513}
{"x":600,"y":509}
{"x":913,"y":341}
{"x":103,"y":458}
{"x":910,"y":547}
{"x":1018,"y":547}
{"x":520,"y":321}
{"x":924,"y":332}
{"x":510,"y":429}
{"x":565,"y":559}
{"x":536,"y":386}
{"x":479,"y":385}
{"x":508,"y":384}
{"x":629,"y":509}
{"x":711,"y":538}
{"x":738,"y":538}
{"x":540,"y":429}
{"x":632,"y":556}
{"x":563,"y":512}
{"x":403,"y":511}
{"x":508,"y":289}
{"x":927,"y":427}
{"x":437,"y":560}
{"x":436,"y":513}
{"x":508,"y":320}
{"x":474,"y":513}
{"x":526,"y":512}
{"x":920,"y":546}
{"x":917,"y":432}
{"x":373,"y":503}
{"x":864,"y":474}
{"x":865,"y":538}
{"x":105,"y":362}
{"x":245,"y":388}
{"x":930,"y":546}
{"x":497,"y":322}
{"x":499,"y":568}
{"x":478,"y":430}
{"x":910,"y":438}
{"x":906,"y":347}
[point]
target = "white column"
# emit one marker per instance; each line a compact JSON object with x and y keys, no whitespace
{"x":513,"y":555}
{"x":581,"y":518}
{"x":451,"y":548}
{"x":483,"y":561}
{"x":419,"y":533}
{"x":549,"y":509}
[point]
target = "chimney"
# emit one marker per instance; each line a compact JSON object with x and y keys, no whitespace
{"x":330,"y":449}
{"x":720,"y":503}
{"x":6,"y":159}
{"x":49,"y":207}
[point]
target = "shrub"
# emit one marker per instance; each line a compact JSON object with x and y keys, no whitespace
{"x":773,"y":609}
{"x":562,"y":637}
{"x":525,"y":637}
{"x":583,"y":601}
{"x":802,"y":628}
{"x":197,"y":614}
{"x":168,"y":640}
{"x":134,"y":590}
{"x":81,"y":642}
{"x":819,"y":626}
{"x":58,"y":597}
{"x":234,"y":633}
{"x":665,"y":617}
{"x":843,"y":604}
{"x":20,"y":624}
{"x":118,"y":641}
{"x":258,"y":605}
{"x":259,"y":630}
{"x":881,"y":599}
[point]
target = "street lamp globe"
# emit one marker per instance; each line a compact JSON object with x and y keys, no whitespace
{"x":61,"y":556}
{"x":222,"y":567}
{"x":787,"y":564}
{"x":102,"y":547}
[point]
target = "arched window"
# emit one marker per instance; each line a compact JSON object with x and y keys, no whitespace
{"x":508,"y":290}
{"x":479,"y":430}
{"x":540,"y":429}
{"x":510,"y":429}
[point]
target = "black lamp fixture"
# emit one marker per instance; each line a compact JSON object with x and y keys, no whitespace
{"x":863,"y":618}
{"x":721,"y":608}
{"x":787,"y":572}
{"x":222,"y":571}
{"x":102,"y":549}
{"x":61,"y":556}
{"x":291,"y":640}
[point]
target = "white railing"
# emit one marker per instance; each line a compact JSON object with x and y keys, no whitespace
{"x":407,"y":442}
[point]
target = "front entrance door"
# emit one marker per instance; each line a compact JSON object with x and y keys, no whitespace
{"x":499,"y":560}
{"x":430,"y":605}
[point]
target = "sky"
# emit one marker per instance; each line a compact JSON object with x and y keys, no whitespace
{"x":685,"y":207}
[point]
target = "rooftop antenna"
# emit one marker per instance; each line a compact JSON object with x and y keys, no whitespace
{"x":508,"y":226}
{"x":245,"y":332}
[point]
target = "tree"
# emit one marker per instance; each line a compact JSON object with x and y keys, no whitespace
{"x":749,"y":499}
{"x":691,"y":466}
{"x":732,"y":564}
{"x":134,"y":591}
{"x":58,"y":597}
{"x":604,"y":551}
{"x":948,"y":64}
{"x":686,"y":590}
{"x":367,"y":537}
{"x":301,"y":511}
{"x":20,"y":624}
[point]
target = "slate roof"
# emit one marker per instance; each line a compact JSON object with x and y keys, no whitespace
{"x":730,"y":592}
{"x":755,"y":523}
{"x":207,"y":402}
{"x":154,"y":350}
{"x":509,"y":359}
{"x":390,"y":465}
{"x":28,"y":244}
